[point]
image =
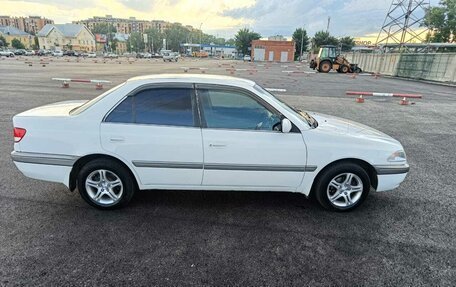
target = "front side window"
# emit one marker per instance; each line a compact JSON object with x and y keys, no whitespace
{"x":159,"y":106}
{"x":236,"y":110}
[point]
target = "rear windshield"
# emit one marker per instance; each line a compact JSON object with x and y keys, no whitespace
{"x":88,"y":104}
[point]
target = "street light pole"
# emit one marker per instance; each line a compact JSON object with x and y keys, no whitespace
{"x":201,"y":39}
{"x":302,"y":43}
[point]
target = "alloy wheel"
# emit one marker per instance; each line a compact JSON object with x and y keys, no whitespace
{"x":104,"y":187}
{"x":344,"y":190}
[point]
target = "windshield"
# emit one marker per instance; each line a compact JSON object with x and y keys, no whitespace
{"x":88,"y":104}
{"x":306,"y":117}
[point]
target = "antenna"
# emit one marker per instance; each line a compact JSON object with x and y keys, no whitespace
{"x":404,"y":23}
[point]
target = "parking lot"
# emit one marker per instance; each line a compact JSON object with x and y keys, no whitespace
{"x":406,"y":237}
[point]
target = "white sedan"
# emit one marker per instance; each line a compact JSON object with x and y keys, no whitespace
{"x":192,"y":132}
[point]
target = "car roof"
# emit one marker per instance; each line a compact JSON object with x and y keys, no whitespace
{"x":193,"y":78}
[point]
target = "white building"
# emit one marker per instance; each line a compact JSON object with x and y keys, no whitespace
{"x":66,"y":37}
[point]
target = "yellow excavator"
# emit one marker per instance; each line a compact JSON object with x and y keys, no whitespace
{"x":328,"y":60}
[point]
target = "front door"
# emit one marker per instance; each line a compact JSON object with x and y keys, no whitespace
{"x":156,"y":130}
{"x":271,"y":56}
{"x":242,"y":144}
{"x":283,"y":56}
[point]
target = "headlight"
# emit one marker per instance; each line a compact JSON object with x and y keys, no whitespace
{"x":397,"y":156}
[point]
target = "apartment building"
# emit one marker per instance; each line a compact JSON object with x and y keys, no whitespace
{"x":126,"y":26}
{"x":31,"y":24}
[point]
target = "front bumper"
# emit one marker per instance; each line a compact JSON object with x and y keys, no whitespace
{"x":392,"y":169}
{"x":390,"y":176}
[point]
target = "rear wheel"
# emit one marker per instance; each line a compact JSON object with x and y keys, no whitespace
{"x":325,"y":67}
{"x":342,"y":187}
{"x":105,"y":184}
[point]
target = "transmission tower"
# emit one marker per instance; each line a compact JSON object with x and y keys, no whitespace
{"x":404,"y":23}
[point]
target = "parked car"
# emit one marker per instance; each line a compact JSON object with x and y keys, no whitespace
{"x":247,"y":58}
{"x":57,"y":53}
{"x":44,"y":53}
{"x":151,"y":132}
{"x":29,"y":53}
{"x":91,"y":55}
{"x":170,"y":57}
{"x":144,"y":55}
{"x":19,"y":52}
{"x":6,"y":53}
{"x":111,"y":55}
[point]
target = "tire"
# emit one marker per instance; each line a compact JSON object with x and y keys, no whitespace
{"x":115,"y":191}
{"x":325,"y":67}
{"x":344,"y":69}
{"x":356,"y":190}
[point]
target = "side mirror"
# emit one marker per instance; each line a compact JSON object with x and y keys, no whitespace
{"x":286,"y":125}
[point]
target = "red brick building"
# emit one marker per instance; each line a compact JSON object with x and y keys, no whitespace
{"x":273,"y":51}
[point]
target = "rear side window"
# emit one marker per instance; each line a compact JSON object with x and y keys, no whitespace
{"x":160,"y":106}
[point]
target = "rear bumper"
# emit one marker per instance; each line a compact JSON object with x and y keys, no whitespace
{"x":48,"y":167}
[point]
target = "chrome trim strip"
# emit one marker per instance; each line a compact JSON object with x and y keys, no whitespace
{"x":163,"y":164}
{"x":44,"y":158}
{"x":222,"y":166}
{"x":391,"y":169}
{"x":259,"y":167}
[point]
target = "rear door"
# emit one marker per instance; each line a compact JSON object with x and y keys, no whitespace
{"x":156,"y":128}
{"x":243,"y":144}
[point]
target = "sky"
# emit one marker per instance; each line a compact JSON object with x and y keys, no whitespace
{"x":222,"y":17}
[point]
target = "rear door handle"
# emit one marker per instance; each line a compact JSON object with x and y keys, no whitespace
{"x":116,"y":139}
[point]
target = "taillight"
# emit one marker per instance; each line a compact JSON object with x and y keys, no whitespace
{"x":19,"y":133}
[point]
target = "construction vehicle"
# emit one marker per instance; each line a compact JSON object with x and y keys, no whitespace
{"x":328,"y":59}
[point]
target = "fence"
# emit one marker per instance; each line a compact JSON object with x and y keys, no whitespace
{"x":440,"y":67}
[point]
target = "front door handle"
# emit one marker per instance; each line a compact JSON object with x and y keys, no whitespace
{"x":217,"y":145}
{"x":116,"y":139}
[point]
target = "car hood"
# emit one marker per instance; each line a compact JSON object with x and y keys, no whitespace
{"x":343,"y":126}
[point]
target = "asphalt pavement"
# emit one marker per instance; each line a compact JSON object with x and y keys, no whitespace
{"x":406,"y":237}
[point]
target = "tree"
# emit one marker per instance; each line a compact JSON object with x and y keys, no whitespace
{"x":300,"y":36}
{"x":114,"y":44}
{"x":346,"y":43}
{"x":244,"y":38}
{"x":136,"y":42}
{"x":323,"y":38}
{"x":36,"y":44}
{"x":104,"y":28}
{"x":175,"y":35}
{"x":441,"y":20}
{"x":154,"y":40}
{"x":219,"y":41}
{"x":3,"y":42}
{"x":230,"y":42}
{"x":17,"y":44}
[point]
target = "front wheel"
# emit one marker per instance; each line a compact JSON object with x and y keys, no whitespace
{"x":105,"y":184}
{"x":342,"y":187}
{"x":344,"y":69}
